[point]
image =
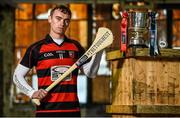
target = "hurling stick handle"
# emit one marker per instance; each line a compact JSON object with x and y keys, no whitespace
{"x":36,"y":101}
{"x":74,"y":66}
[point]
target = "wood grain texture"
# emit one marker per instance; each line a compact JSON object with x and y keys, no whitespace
{"x":143,"y":52}
{"x":150,"y":85}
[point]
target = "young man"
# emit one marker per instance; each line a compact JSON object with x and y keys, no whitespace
{"x":53,"y":56}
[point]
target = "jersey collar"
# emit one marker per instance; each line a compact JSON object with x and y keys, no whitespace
{"x":50,"y":40}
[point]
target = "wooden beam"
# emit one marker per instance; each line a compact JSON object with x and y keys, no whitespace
{"x":144,"y":109}
{"x":158,"y":109}
{"x":7,"y":55}
{"x":116,"y":54}
{"x":121,"y":109}
{"x":143,"y":52}
{"x":90,"y":1}
{"x":1,"y":83}
{"x":67,"y":1}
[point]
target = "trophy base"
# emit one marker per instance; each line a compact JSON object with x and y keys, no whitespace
{"x":137,"y":43}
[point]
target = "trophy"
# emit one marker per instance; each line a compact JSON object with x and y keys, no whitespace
{"x":138,"y":29}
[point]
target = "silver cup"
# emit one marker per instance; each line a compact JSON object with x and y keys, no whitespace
{"x":138,"y":28}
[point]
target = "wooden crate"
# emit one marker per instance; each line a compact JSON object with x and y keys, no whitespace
{"x":143,"y":85}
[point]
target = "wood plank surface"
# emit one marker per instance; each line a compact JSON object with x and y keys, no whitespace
{"x":143,"y":109}
{"x":143,"y":52}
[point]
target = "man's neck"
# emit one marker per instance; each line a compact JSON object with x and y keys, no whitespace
{"x":56,"y":36}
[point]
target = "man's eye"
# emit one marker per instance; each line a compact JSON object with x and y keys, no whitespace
{"x":58,"y":18}
{"x":67,"y":22}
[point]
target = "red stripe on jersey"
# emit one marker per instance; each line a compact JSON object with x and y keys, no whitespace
{"x":61,"y":97}
{"x":54,"y":47}
{"x":45,"y":64}
{"x":68,"y":82}
{"x":73,"y":110}
{"x":46,"y":81}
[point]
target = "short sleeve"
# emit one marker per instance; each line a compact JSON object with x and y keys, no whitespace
{"x":30,"y":58}
{"x":81,"y":50}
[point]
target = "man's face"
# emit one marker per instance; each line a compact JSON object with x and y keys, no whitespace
{"x":59,"y":22}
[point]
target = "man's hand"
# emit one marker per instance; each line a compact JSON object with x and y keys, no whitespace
{"x":40,"y":94}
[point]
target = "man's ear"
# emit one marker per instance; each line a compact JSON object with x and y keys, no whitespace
{"x":49,"y":19}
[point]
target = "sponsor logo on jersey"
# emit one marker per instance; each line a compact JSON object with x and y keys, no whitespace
{"x":57,"y":71}
{"x":71,"y":54}
{"x":49,"y":54}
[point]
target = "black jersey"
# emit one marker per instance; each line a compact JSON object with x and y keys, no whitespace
{"x":52,"y":60}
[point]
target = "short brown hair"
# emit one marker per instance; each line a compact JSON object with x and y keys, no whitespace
{"x":63,"y":9}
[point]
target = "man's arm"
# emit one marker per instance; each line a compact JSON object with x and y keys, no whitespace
{"x":90,"y":69}
{"x":20,"y":81}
